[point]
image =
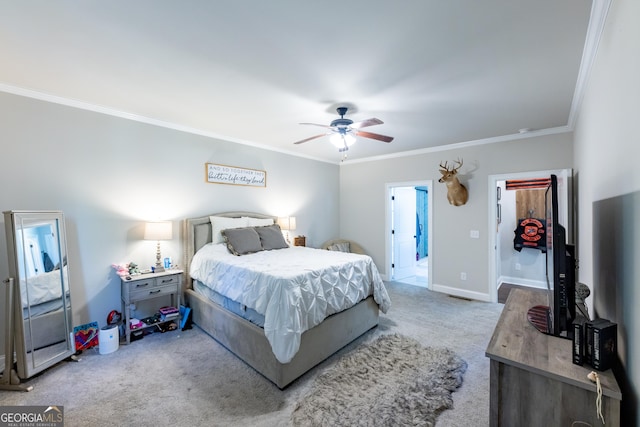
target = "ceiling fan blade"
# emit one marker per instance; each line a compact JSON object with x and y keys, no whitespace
{"x":365,"y":123}
{"x":377,"y":136}
{"x":316,"y":124}
{"x":310,"y":138}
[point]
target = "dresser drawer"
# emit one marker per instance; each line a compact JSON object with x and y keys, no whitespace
{"x":140,"y":285}
{"x":167,"y":280}
{"x":152,"y":291}
{"x":150,"y":287}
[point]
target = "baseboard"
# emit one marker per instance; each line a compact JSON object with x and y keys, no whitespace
{"x":522,"y":282}
{"x":479,"y":296}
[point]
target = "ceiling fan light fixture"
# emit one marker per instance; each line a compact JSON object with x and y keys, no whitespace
{"x":341,"y":139}
{"x":342,"y":132}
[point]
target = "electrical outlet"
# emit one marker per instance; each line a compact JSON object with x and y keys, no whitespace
{"x":474,"y":234}
{"x":518,"y":266}
{"x":463,"y":276}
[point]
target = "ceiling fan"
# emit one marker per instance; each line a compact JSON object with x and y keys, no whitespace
{"x":343,"y":131}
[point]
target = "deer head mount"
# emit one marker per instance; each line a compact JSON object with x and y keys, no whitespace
{"x":457,"y":193}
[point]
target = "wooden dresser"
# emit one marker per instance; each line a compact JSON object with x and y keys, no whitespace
{"x":533,"y":380}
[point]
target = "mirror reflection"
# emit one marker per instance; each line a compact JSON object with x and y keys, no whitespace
{"x":42,"y":308}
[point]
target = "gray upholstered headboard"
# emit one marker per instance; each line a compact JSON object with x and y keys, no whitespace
{"x":197,"y":233}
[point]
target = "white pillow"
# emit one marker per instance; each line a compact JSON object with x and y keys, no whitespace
{"x":219,"y":223}
{"x":258,"y":222}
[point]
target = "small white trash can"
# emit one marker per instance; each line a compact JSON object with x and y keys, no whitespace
{"x":108,"y":339}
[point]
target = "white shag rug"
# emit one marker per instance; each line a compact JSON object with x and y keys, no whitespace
{"x":392,"y":381}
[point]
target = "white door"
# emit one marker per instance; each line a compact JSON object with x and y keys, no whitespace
{"x":404,"y":232}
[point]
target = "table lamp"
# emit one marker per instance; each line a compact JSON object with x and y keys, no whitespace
{"x":161,"y":230}
{"x":287,"y":224}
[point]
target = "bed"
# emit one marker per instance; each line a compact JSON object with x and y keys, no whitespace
{"x":315,"y":336}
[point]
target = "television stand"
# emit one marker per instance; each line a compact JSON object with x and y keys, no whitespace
{"x":533,"y":380}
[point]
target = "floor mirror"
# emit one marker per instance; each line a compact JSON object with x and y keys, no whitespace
{"x":38,"y":313}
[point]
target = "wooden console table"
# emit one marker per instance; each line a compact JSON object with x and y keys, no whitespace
{"x":533,"y":380}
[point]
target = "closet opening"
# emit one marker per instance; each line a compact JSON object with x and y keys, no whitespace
{"x":517,"y":203}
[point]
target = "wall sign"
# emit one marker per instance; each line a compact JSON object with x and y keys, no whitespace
{"x":222,"y":174}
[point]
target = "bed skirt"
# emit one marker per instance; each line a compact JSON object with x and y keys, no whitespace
{"x":249,"y":343}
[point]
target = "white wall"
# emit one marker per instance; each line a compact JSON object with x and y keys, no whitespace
{"x":109,"y":175}
{"x":607,"y":149}
{"x":362,"y":213}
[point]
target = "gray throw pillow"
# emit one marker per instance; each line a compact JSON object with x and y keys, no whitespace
{"x":271,"y":237}
{"x":242,"y":241}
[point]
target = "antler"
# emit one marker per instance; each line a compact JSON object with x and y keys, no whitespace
{"x":453,"y":169}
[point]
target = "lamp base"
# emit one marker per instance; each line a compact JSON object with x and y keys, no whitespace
{"x":159,"y":268}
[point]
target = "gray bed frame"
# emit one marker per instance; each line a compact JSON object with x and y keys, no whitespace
{"x":248,"y":341}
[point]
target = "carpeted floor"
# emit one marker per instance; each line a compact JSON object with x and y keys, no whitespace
{"x":185,"y":378}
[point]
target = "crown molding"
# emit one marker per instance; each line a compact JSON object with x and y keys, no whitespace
{"x":597,"y":21}
{"x":74,"y":103}
{"x":466,"y":144}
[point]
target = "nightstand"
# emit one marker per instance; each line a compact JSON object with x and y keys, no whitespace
{"x":300,"y":241}
{"x":146,"y":286}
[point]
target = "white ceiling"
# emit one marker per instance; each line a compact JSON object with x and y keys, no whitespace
{"x":436,"y":72}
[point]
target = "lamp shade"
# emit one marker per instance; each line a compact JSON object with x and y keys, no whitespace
{"x":161,"y":230}
{"x":287,"y":222}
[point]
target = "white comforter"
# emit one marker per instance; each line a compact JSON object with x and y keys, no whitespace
{"x":294,"y":288}
{"x":41,"y":288}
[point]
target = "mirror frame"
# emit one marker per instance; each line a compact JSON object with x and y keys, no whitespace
{"x":30,"y":360}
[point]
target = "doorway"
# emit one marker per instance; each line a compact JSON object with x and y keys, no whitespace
{"x":507,"y":264}
{"x":408,"y":232}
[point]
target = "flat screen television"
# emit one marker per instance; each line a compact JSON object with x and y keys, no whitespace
{"x":556,"y":318}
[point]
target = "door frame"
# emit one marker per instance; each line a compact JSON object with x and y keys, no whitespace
{"x":493,"y":215}
{"x":387,"y":225}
